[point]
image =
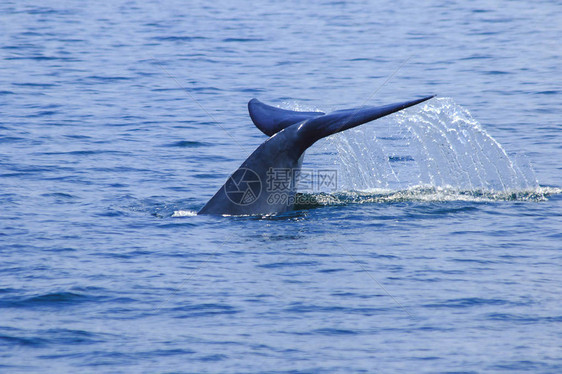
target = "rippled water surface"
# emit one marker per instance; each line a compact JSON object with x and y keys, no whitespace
{"x":439,"y":250}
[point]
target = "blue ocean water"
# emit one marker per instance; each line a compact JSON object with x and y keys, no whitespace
{"x":439,"y":252}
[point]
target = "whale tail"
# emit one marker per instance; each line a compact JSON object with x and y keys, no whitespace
{"x":255,"y":187}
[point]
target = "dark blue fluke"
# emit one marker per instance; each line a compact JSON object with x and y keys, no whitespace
{"x":264,"y":183}
{"x":271,"y":120}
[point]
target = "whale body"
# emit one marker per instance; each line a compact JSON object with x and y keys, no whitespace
{"x":266,"y":182}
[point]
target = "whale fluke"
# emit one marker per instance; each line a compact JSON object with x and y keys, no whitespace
{"x":345,"y":119}
{"x":265,"y":183}
{"x":271,"y":120}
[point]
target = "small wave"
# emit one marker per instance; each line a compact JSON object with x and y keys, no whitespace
{"x":35,"y":85}
{"x":187,"y":144}
{"x":49,"y":299}
{"x":9,"y":340}
{"x":334,"y":332}
{"x":242,"y":40}
{"x":467,"y":303}
{"x":178,"y":38}
{"x":61,"y":195}
{"x":107,"y":78}
{"x":204,"y":310}
{"x":42,"y":338}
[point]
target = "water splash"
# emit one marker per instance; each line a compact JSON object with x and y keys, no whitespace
{"x":184,"y":213}
{"x":421,"y":194}
{"x":436,"y":146}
